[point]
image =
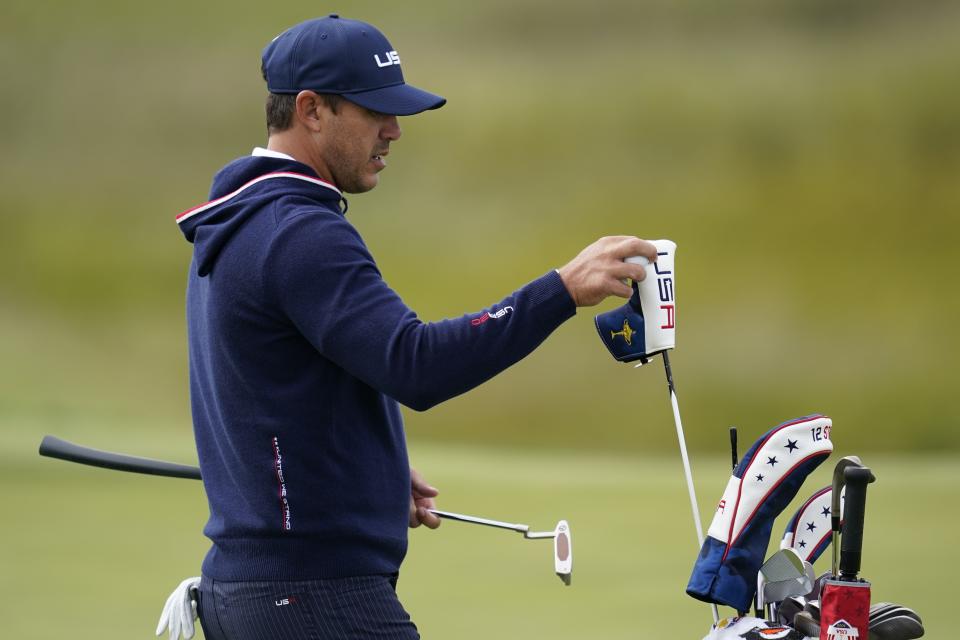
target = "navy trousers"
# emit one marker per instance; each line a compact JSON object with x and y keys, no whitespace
{"x":349,"y":608}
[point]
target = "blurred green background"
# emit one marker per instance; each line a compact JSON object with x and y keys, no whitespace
{"x":804,"y":155}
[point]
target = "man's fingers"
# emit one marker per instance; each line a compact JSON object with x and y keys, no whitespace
{"x":629,"y":270}
{"x":420,"y":486}
{"x":620,"y":289}
{"x":430,"y":520}
{"x":425,"y":491}
{"x":631,"y":246}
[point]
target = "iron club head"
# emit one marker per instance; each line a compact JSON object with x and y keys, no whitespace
{"x":805,"y":624}
{"x":784,"y":574}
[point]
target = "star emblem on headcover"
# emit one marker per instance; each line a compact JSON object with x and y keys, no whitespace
{"x":772,"y":461}
{"x":791,"y":445}
{"x":826,"y":512}
{"x":802,"y":544}
{"x":759,"y":477}
{"x":811,"y":526}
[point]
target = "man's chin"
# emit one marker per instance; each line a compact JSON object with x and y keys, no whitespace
{"x":363,"y":185}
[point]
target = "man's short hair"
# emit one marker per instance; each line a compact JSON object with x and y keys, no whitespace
{"x":281,"y":107}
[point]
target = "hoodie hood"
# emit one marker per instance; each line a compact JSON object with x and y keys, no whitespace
{"x":242,"y":189}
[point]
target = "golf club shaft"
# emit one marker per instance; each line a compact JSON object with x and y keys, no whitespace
{"x":521,"y":528}
{"x":686,"y":461}
{"x":733,"y":447}
{"x":53,"y":447}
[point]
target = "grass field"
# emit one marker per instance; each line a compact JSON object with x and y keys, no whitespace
{"x":92,"y":554}
{"x":803,"y":154}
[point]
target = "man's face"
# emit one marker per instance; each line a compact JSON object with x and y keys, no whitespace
{"x":354,"y":144}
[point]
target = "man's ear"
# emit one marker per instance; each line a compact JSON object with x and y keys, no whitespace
{"x":312,"y":110}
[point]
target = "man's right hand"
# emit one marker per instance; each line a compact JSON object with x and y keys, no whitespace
{"x":600,"y":271}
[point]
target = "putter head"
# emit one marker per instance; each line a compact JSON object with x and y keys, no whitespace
{"x":563,"y":552}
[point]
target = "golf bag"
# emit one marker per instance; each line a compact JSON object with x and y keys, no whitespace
{"x":763,"y":484}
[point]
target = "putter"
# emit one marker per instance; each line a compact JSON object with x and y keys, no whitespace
{"x":652,"y":309}
{"x":662,"y":289}
{"x":561,"y":536}
{"x":53,"y":447}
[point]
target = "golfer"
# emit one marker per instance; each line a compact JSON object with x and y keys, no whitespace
{"x":301,"y":354}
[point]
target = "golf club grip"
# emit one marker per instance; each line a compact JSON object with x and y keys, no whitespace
{"x":855,"y":504}
{"x":53,"y":447}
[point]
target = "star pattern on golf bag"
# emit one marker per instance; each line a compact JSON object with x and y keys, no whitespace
{"x":809,"y":528}
{"x":763,"y":483}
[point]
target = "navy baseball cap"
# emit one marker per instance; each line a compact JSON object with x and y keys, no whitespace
{"x":345,"y":57}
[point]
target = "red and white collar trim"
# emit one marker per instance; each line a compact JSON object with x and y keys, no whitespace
{"x":189,"y":213}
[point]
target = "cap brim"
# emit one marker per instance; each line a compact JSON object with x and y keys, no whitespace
{"x":397,"y":100}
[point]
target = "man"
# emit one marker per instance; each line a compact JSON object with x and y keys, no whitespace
{"x":300,"y":353}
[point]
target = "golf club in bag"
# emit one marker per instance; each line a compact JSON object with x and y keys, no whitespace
{"x":645,"y":327}
{"x":845,"y":600}
{"x":53,"y":447}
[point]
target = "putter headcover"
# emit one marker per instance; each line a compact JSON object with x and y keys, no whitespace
{"x":809,"y":529}
{"x":763,"y":484}
{"x":646,"y":324}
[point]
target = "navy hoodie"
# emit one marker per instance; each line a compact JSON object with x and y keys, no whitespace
{"x":299,"y":356}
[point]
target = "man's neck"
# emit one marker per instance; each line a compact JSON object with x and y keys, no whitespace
{"x":293,"y":146}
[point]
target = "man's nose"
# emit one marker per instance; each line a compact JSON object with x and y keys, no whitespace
{"x":391,"y":128}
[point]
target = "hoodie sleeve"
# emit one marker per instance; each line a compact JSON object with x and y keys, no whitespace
{"x":324,"y":279}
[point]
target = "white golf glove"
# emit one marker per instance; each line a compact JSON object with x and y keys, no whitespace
{"x":180,"y":610}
